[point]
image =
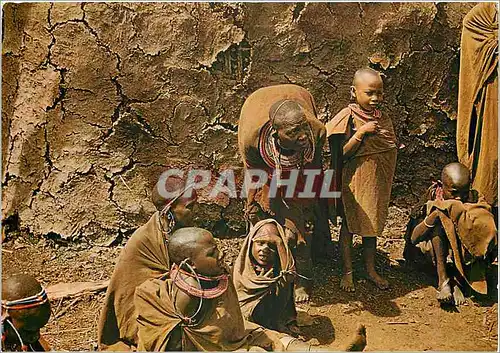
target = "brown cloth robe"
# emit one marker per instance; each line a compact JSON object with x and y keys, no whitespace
{"x":222,"y":327}
{"x":366,"y":177}
{"x":470,"y":230}
{"x":272,"y":292}
{"x":477,"y":118}
{"x":297,"y":212}
{"x":254,"y":114}
{"x":144,"y":257}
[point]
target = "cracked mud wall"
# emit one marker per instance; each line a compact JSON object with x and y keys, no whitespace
{"x":100,"y":98}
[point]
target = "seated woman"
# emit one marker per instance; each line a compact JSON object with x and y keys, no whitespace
{"x":25,"y":310}
{"x":195,"y":307}
{"x":143,"y":257}
{"x":454,"y":217}
{"x":263,"y":276}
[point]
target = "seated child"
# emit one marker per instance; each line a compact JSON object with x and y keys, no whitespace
{"x":25,"y":310}
{"x":454,"y":217}
{"x":263,"y":278}
{"x":195,"y":307}
{"x":363,"y":151}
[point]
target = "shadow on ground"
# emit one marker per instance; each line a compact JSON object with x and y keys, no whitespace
{"x":367,"y":296}
{"x":322,"y":330}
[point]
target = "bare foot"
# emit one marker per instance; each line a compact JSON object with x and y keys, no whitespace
{"x":358,"y":342}
{"x":301,"y":346}
{"x":301,"y":295}
{"x":444,"y":294}
{"x":378,"y":280}
{"x":294,"y":329}
{"x":298,"y":345}
{"x":458,"y":296}
{"x":290,"y":329}
{"x":347,"y":283}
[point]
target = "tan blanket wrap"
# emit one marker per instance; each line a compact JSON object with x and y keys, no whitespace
{"x":367,"y":176}
{"x":143,"y":257}
{"x":472,"y":234}
{"x":254,"y":114}
{"x":253,"y":288}
{"x":222,"y":328}
{"x":477,"y":119}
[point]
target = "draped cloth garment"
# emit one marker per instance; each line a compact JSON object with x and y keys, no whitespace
{"x":365,"y":178}
{"x":274,"y":288}
{"x":222,"y":327}
{"x":144,"y":257}
{"x":477,"y":118}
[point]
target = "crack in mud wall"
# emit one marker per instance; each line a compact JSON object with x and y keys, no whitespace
{"x":100,"y":98}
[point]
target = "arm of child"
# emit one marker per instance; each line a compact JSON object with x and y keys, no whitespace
{"x":354,"y":142}
{"x":425,"y":228}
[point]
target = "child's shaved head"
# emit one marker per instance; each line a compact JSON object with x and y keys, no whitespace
{"x":456,"y":174}
{"x":199,"y":247}
{"x":367,"y":89}
{"x":362,"y":73}
{"x":456,"y":182}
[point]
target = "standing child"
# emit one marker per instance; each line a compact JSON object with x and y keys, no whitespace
{"x":366,"y":145}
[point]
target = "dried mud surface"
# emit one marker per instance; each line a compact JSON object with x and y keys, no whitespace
{"x":100,"y":98}
{"x":405,"y":318}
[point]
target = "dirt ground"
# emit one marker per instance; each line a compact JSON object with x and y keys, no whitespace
{"x":406,"y":317}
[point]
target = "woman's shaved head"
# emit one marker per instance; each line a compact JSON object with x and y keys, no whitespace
{"x":20,"y":286}
{"x":290,"y":123}
{"x":172,"y":184}
{"x":284,"y":112}
{"x":182,"y":243}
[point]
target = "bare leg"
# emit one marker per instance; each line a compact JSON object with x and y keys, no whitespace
{"x":303,"y":261}
{"x":358,"y":342}
{"x":440,"y":251}
{"x":303,"y":264}
{"x":369,"y":251}
{"x":345,"y":239}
